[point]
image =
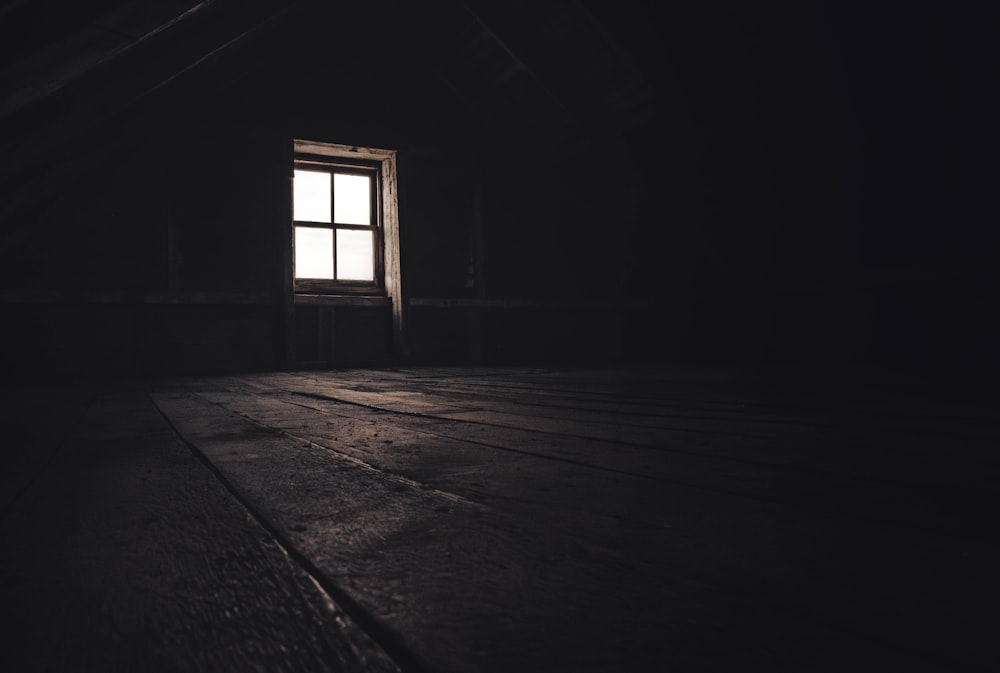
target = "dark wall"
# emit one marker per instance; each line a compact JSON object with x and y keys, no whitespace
{"x":810,"y":186}
{"x":823,"y":173}
{"x":162,"y":244}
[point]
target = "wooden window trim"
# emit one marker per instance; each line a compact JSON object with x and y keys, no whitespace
{"x":388,"y":271}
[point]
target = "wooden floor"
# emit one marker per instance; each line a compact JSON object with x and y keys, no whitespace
{"x":512,"y":519}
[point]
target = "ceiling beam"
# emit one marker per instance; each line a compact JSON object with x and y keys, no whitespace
{"x":27,"y":27}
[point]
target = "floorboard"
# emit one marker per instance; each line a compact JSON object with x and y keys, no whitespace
{"x":530,"y":519}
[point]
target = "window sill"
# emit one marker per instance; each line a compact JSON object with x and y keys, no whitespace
{"x":340,"y":300}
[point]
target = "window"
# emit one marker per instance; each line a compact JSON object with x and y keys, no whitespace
{"x":343,"y":248}
{"x":337,"y":239}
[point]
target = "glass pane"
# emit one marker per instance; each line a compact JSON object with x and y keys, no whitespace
{"x":311,"y":196}
{"x":313,"y":253}
{"x":351,"y":199}
{"x":355,"y":260}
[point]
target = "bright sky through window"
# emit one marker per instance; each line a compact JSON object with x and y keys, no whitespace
{"x":312,"y":196}
{"x":343,"y":250}
{"x":313,"y":253}
{"x":355,"y":260}
{"x":352,"y":199}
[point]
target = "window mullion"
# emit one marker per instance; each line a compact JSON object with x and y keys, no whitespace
{"x":333,"y":225}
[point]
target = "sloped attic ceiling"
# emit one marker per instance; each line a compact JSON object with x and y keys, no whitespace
{"x":68,"y":71}
{"x":64,"y":64}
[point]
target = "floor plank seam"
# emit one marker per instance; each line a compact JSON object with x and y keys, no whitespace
{"x":775,"y":501}
{"x":398,"y":478}
{"x":387,"y":639}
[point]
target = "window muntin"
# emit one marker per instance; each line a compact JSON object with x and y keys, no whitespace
{"x":337,"y":239}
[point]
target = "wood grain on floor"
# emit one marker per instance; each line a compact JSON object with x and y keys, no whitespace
{"x":535,"y":519}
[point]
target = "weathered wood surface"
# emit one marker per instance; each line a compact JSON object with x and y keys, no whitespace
{"x":465,"y":520}
{"x":590,"y":521}
{"x":125,"y":554}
